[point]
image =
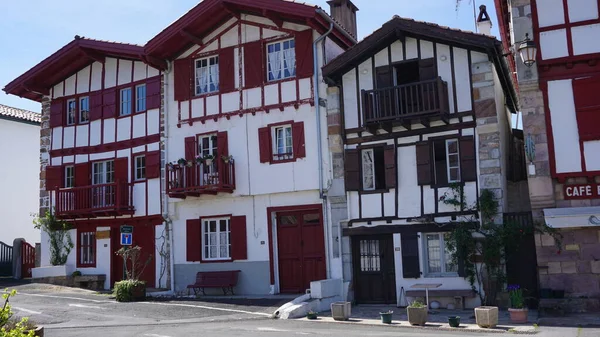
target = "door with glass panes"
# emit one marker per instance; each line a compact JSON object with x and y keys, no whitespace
{"x":207,"y":149}
{"x":103,"y":190}
{"x":374,"y":271}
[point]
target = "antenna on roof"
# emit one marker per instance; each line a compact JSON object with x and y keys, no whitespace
{"x":474,"y":10}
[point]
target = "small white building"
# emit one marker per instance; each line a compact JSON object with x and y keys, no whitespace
{"x":20,"y":139}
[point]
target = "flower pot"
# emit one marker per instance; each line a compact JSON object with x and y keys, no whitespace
{"x":208,"y":161}
{"x":518,"y":315}
{"x":340,"y":311}
{"x":417,"y":316}
{"x":386,"y":317}
{"x":311,"y":315}
{"x":486,"y":317}
{"x":138,"y":292}
{"x":454,"y":321}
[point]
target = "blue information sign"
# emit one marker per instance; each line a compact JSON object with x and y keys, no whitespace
{"x":126,"y":239}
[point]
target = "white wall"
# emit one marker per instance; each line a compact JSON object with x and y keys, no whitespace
{"x":20,"y":181}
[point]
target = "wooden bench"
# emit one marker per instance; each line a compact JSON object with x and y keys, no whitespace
{"x":457,"y":294}
{"x":225,"y":280}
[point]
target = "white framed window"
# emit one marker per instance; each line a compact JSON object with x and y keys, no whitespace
{"x":207,"y":75}
{"x":453,"y":160}
{"x":71,"y":110}
{"x":125,"y":102}
{"x":140,"y":98}
{"x":216,"y":239}
{"x":140,"y":167}
{"x":283,"y":143}
{"x":368,"y":169}
{"x":84,"y":109}
{"x":281,"y":60}
{"x":69,"y":176}
{"x":103,"y":172}
{"x":87,"y":248}
{"x":438,"y":259}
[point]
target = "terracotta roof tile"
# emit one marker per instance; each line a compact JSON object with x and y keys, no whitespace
{"x":25,"y":115}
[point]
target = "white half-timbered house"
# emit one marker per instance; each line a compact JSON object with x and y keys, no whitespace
{"x":422,"y":107}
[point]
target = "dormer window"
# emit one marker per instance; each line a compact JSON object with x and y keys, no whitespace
{"x":281,"y":60}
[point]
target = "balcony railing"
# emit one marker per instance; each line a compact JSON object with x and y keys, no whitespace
{"x":94,"y":200}
{"x":413,"y":100}
{"x":200,"y":178}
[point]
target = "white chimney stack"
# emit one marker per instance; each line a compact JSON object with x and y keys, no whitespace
{"x":484,"y":24}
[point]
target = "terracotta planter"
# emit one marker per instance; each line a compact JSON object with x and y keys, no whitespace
{"x":417,"y":316}
{"x":518,"y":315}
{"x":486,"y":317}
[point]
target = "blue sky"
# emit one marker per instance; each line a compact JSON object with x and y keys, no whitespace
{"x":34,"y":29}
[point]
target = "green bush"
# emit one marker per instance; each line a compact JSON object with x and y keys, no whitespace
{"x":10,"y":328}
{"x":130,"y":290}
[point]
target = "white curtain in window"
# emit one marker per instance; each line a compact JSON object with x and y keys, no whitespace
{"x":280,"y":141}
{"x":214,"y":76}
{"x":203,"y":79}
{"x":289,"y":58}
{"x":275,"y":64}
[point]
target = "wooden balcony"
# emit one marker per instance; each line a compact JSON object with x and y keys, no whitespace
{"x":95,"y":200}
{"x":401,"y":105}
{"x":197,"y":179}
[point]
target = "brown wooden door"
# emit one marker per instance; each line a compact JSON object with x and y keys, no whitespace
{"x":301,"y":250}
{"x":374,"y":271}
{"x":143,"y":236}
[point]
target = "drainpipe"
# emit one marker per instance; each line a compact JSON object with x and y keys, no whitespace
{"x":165,"y":137}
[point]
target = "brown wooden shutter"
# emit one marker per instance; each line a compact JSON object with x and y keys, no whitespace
{"x":56,"y":113}
{"x":109,"y":103}
{"x":153,"y":93}
{"x":423,"y":164}
{"x":190,"y":148}
{"x":239,"y":241}
{"x":95,"y":105}
{"x":153,"y":165}
{"x":121,"y":170}
{"x":384,"y":77}
{"x":389,"y":159}
{"x":427,"y":69}
{"x":82,"y":174}
{"x":298,"y":140}
{"x":193,"y":240}
{"x":304,"y":53}
{"x":587,"y":106}
{"x":226,"y":70}
{"x":352,"y":170}
{"x":468,"y":167}
{"x":184,"y":79}
{"x":264,"y":144}
{"x":54,"y":177}
{"x":222,"y":144}
{"x":410,"y":255}
{"x":254,"y":64}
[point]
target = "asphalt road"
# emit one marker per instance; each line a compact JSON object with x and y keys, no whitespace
{"x":69,"y":312}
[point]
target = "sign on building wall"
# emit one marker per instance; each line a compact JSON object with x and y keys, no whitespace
{"x":583,"y":191}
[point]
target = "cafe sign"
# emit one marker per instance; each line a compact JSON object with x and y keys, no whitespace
{"x":582,"y":191}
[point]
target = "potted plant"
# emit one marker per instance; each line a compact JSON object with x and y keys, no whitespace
{"x":227,"y":159}
{"x":417,"y":313}
{"x":340,"y":311}
{"x":199,"y":159}
{"x":386,"y":317}
{"x":132,"y":288}
{"x":518,"y":311}
{"x":454,"y":321}
{"x":311,"y":315}
{"x":486,"y":316}
{"x":181,"y":162}
{"x":208,"y":159}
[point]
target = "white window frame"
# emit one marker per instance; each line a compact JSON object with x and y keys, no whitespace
{"x":209,"y":171}
{"x":83,"y":112}
{"x":443,"y":258}
{"x":125,"y":103}
{"x":69,"y":176}
{"x":366,"y":170}
{"x":71,"y":111}
{"x":139,"y":163}
{"x":277,"y":155}
{"x":91,"y":252}
{"x":140,"y":99}
{"x":279,"y":60}
{"x":103,"y":172}
{"x":212,"y":73}
{"x":448,"y":155}
{"x":218,"y":244}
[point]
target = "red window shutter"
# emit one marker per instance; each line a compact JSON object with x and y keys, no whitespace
{"x":226,"y":70}
{"x":153,"y":93}
{"x":54,"y":175}
{"x":153,"y":165}
{"x":239,"y":242}
{"x":468,"y":167}
{"x":298,"y":140}
{"x":109,"y":103}
{"x":389,"y":159}
{"x":190,"y":148}
{"x":254,"y":64}
{"x":192,"y":238}
{"x":587,"y":106}
{"x":264,"y":144}
{"x":82,"y":174}
{"x":222,"y":144}
{"x":56,"y":113}
{"x":423,"y":164}
{"x":95,"y":105}
{"x":304,"y":53}
{"x":352,"y":170}
{"x":183,"y":79}
{"x":121,"y":170}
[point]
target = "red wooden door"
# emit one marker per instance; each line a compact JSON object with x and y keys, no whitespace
{"x":143,"y":236}
{"x":301,"y":250}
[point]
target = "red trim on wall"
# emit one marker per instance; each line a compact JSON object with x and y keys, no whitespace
{"x":120,"y":145}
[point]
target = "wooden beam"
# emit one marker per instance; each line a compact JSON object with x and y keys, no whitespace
{"x":387,"y":127}
{"x":405,"y":123}
{"x":425,"y":122}
{"x":93,"y":55}
{"x":156,"y":62}
{"x":191,"y":37}
{"x":372,"y":128}
{"x":273,"y":17}
{"x":227,"y":7}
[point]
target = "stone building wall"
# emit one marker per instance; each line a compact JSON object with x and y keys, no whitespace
{"x":45,"y":146}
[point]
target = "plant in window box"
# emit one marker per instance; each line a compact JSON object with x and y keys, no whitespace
{"x":227,"y":159}
{"x":132,"y":288}
{"x":208,"y":159}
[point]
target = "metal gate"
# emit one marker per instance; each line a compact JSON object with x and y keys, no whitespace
{"x":6,"y":259}
{"x":27,"y":259}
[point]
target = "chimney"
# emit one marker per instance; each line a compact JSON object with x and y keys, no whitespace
{"x":344,"y":12}
{"x":484,"y":24}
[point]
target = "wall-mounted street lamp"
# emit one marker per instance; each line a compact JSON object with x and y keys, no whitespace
{"x":528,"y":50}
